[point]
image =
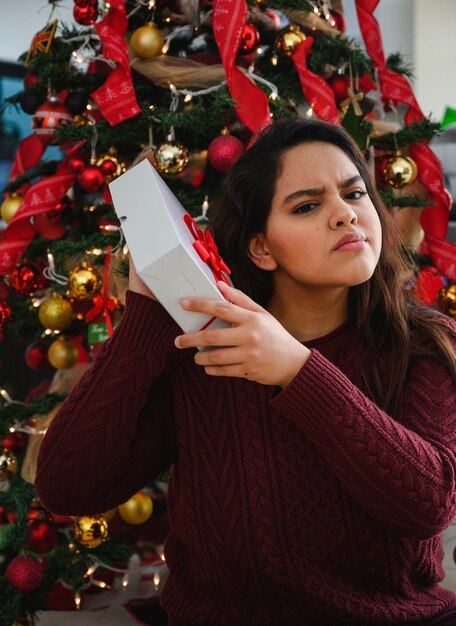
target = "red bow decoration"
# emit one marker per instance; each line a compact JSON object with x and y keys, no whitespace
{"x":316,"y":91}
{"x":228,"y":19}
{"x":207,"y":250}
{"x":116,"y":98}
{"x":103,"y":303}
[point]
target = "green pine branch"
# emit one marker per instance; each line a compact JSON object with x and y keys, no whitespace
{"x":414,"y":133}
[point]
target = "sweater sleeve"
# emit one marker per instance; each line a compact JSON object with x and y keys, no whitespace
{"x":402,"y":472}
{"x":113,"y":433}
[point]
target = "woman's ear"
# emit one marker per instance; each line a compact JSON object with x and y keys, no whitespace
{"x":259,"y":253}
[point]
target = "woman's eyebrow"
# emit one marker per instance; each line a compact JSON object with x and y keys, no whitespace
{"x":318,"y":191}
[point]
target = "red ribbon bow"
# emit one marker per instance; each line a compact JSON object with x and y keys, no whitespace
{"x":102,"y":303}
{"x":207,"y":250}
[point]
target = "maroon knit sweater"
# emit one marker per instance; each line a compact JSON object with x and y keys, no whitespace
{"x":306,"y":506}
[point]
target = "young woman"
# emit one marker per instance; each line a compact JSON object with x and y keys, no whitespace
{"x":313,"y":446}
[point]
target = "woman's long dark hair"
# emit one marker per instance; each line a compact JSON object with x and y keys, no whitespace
{"x":384,"y":310}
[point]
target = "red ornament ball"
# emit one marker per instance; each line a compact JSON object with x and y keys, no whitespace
{"x":14,"y":442}
{"x":249,"y":40}
{"x":42,"y":535}
{"x":27,"y":278}
{"x":339,"y":84}
{"x":25,"y":573}
{"x":338,"y":20}
{"x":91,"y":179}
{"x":108,"y":167}
{"x":50,"y":116}
{"x":76,"y":164}
{"x":5,"y":313}
{"x":36,"y":356}
{"x":30,"y":79}
{"x":224,"y":151}
{"x":86,"y":15}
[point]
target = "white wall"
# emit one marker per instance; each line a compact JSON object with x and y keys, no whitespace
{"x":435,"y":55}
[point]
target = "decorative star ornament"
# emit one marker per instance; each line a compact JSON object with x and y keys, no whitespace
{"x":41,"y":42}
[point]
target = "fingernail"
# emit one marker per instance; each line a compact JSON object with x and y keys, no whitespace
{"x":177,"y":342}
{"x":186,"y":302}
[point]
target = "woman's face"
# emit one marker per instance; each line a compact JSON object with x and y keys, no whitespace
{"x":323,"y":230}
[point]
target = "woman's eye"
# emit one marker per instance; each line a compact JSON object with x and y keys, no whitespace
{"x":356,"y":195}
{"x":305,"y":208}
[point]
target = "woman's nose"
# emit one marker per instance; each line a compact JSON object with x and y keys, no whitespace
{"x":342,"y":214}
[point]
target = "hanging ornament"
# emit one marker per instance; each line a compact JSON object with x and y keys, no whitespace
{"x":55,"y":313}
{"x":340,"y":84}
{"x":224,"y":151}
{"x":249,"y":40}
{"x":62,"y":354}
{"x":400,"y":171}
{"x":25,"y":573}
{"x":77,"y":163}
{"x":92,"y":179}
{"x":287,"y":41}
{"x":76,"y":102}
{"x":90,"y":531}
{"x":86,"y":13}
{"x":49,"y":117}
{"x":14,"y":442}
{"x":338,"y":20}
{"x":26,"y":279}
{"x":137,"y":509}
{"x":5,"y":313}
{"x":30,"y":101}
{"x":171,"y":157}
{"x":30,"y":79}
{"x":8,"y":461}
{"x":41,"y":42}
{"x":147,"y":41}
{"x":10,"y":206}
{"x":36,"y":356}
{"x":84,"y":282}
{"x":447,"y":297}
{"x":110,"y":165}
{"x":42,"y":535}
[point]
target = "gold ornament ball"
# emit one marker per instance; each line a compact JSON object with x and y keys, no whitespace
{"x":10,"y":206}
{"x":8,"y":461}
{"x":55,"y":313}
{"x":447,"y":296}
{"x":399,"y":171}
{"x":147,"y":41}
{"x":287,"y":41}
{"x":137,"y":509}
{"x":22,"y":621}
{"x":84,"y":282}
{"x":62,"y":354}
{"x":90,"y":530}
{"x":171,"y":157}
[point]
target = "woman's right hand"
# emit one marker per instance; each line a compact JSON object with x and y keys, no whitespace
{"x":135,"y":283}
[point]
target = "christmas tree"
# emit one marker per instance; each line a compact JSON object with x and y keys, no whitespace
{"x":186,"y":85}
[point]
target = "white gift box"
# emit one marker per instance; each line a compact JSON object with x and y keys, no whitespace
{"x":161,"y":244}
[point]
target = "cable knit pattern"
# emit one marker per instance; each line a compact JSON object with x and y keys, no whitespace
{"x":309,"y":507}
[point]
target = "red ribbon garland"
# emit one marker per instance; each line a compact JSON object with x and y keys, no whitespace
{"x":116,"y":98}
{"x":228,"y":19}
{"x":40,"y":198}
{"x":103,"y":303}
{"x":207,"y":250}
{"x":316,"y":91}
{"x":396,"y":87}
{"x":28,"y":154}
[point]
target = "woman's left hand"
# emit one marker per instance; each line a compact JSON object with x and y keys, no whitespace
{"x":256,"y":346}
